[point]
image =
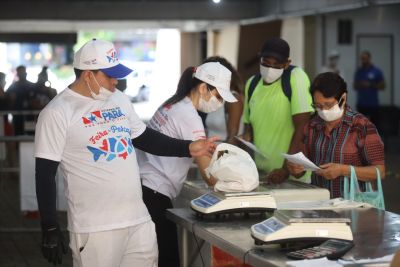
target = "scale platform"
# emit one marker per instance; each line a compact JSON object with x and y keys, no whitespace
{"x":288,"y":226}
{"x":265,"y":197}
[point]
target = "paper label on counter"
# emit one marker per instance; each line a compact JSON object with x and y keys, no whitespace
{"x":322,"y":233}
{"x":244,"y":204}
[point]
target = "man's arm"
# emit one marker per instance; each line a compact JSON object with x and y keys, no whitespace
{"x":53,"y":244}
{"x":299,"y":120}
{"x":234,"y":111}
{"x":160,"y":144}
{"x":248,"y":132}
{"x":381,"y":85}
{"x":367,"y":84}
{"x":46,"y":191}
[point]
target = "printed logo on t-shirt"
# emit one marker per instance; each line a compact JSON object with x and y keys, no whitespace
{"x":159,"y":119}
{"x":371,"y":75}
{"x":103,"y":116}
{"x":110,"y":146}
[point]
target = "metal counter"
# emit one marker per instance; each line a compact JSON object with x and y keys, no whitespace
{"x":376,"y":233}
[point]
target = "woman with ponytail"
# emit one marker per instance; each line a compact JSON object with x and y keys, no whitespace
{"x":203,"y":88}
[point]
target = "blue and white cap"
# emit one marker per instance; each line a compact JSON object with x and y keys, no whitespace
{"x":100,"y":55}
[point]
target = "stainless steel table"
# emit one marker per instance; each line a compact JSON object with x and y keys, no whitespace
{"x":374,"y":231}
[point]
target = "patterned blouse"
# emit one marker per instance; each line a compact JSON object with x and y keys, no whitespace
{"x":354,"y":141}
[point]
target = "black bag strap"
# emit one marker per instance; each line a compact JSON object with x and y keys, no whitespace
{"x":252,"y":86}
{"x":285,"y":80}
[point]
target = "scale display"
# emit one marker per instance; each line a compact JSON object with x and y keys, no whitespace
{"x":206,"y":201}
{"x":269,"y":226}
{"x":295,"y":225}
{"x":265,"y":197}
{"x":217,"y":203}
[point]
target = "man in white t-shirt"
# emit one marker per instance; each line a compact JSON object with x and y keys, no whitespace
{"x":90,"y":131}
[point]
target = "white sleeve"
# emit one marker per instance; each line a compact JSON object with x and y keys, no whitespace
{"x":190,"y":128}
{"x":50,"y":134}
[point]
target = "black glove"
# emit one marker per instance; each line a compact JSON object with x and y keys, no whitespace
{"x":53,"y":245}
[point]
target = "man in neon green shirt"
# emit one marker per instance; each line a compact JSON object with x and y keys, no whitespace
{"x":273,"y":120}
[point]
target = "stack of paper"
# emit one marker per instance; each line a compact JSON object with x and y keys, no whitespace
{"x":335,"y":203}
{"x":300,"y":159}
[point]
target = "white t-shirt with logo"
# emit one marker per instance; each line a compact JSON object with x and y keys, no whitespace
{"x":166,"y":175}
{"x":92,"y":141}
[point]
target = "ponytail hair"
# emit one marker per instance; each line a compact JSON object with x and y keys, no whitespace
{"x":185,"y":85}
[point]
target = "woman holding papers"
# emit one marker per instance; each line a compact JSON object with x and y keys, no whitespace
{"x":199,"y":89}
{"x":337,"y":137}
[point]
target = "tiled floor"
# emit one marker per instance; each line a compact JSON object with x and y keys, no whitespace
{"x":20,"y":234}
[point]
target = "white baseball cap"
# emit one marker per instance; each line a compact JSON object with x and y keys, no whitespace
{"x":333,"y":53}
{"x":217,"y":75}
{"x":100,"y":55}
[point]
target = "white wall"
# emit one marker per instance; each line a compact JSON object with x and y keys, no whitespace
{"x":293,"y":32}
{"x":225,"y":43}
{"x":371,"y":20}
{"x":166,"y":74}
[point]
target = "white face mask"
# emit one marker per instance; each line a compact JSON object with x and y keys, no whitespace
{"x":269,"y":74}
{"x":209,"y":106}
{"x":332,"y":114}
{"x":103,"y":94}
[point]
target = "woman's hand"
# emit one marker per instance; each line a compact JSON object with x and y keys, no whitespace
{"x":331,"y":171}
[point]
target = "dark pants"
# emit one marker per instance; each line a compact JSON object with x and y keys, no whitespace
{"x":167,"y":237}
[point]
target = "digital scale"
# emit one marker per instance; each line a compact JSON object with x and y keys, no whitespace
{"x":302,"y":225}
{"x":265,"y":197}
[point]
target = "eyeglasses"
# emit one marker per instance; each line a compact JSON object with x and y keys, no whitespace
{"x":327,"y":106}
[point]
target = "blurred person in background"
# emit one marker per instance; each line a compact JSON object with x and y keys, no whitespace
{"x":3,"y":100}
{"x":21,"y":95}
{"x":337,"y":137}
{"x":43,"y":90}
{"x":6,"y":128}
{"x":368,"y":81}
{"x":277,"y":106}
{"x":226,"y":122}
{"x":3,"y":119}
{"x":332,"y":64}
{"x":204,"y":89}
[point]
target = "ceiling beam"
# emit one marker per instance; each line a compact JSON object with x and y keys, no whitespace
{"x":129,"y":10}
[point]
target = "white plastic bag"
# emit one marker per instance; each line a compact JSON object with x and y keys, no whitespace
{"x":234,"y":169}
